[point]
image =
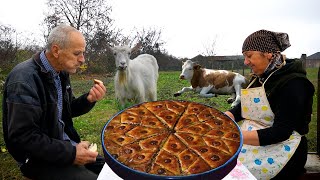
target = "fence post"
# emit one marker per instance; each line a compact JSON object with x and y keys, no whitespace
{"x":318,"y":114}
{"x":243,"y":67}
{"x":303,"y":59}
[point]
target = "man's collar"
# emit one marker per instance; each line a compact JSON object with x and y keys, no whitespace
{"x":47,"y":64}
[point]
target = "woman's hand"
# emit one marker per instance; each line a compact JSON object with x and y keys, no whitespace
{"x":228,"y":113}
{"x":251,"y":138}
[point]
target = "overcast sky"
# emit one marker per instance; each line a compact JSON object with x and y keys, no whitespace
{"x":188,"y":26}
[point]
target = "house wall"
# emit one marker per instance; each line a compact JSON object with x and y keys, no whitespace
{"x":312,"y":63}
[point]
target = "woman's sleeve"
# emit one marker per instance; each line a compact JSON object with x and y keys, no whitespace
{"x":290,"y":106}
{"x":236,"y":111}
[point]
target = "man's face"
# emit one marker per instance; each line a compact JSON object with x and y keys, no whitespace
{"x":71,"y":57}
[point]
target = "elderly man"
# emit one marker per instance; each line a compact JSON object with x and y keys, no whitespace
{"x":38,"y":106}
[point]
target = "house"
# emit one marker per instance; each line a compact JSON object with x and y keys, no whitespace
{"x":220,"y":62}
{"x":313,"y":60}
{"x":235,"y":62}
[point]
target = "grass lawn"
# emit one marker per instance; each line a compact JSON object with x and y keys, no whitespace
{"x":90,"y":125}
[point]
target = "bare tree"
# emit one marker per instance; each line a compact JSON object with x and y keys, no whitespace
{"x":15,"y":46}
{"x":152,"y":43}
{"x":150,"y":40}
{"x":49,"y":22}
{"x":210,"y":48}
{"x":8,"y":46}
{"x":92,"y":18}
{"x":88,"y":16}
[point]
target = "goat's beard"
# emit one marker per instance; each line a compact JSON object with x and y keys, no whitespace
{"x":122,"y":76}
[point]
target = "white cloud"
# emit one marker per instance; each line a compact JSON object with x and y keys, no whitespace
{"x":22,"y":15}
{"x":188,"y":25}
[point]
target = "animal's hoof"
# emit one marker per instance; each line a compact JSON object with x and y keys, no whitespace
{"x":176,"y":94}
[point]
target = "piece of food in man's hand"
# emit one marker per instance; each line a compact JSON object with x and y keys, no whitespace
{"x":97,"y":81}
{"x":93,"y":147}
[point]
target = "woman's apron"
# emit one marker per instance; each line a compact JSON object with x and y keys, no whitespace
{"x":264,"y":162}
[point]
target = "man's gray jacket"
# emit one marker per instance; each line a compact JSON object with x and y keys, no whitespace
{"x":30,"y":118}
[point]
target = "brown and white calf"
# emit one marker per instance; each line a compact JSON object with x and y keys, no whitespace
{"x":209,"y":82}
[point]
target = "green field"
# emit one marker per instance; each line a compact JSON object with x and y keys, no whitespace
{"x":90,"y":125}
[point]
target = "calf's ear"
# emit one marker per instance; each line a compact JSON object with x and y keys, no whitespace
{"x":196,"y":66}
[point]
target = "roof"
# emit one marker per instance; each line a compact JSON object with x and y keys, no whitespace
{"x":314,"y":56}
{"x":219,"y":58}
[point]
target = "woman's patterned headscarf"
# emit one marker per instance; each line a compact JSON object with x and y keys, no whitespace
{"x":270,"y":42}
{"x":266,"y":41}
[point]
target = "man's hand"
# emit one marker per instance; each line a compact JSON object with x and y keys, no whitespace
{"x":97,"y":92}
{"x":83,"y":154}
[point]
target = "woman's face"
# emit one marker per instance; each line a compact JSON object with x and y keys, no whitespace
{"x":257,"y":61}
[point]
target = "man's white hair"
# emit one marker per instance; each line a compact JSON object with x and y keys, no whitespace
{"x":60,"y":35}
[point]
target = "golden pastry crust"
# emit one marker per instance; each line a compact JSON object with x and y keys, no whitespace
{"x":152,"y":121}
{"x":187,"y":158}
{"x":153,"y":143}
{"x":172,"y":138}
{"x":168,"y":161}
{"x":159,"y":170}
{"x":173,"y":145}
{"x":212,"y":156}
{"x":167,"y":117}
{"x":198,"y":166}
{"x":199,"y":129}
{"x":128,"y":118}
{"x":190,"y":139}
{"x":139,"y":110}
{"x":140,"y":132}
{"x":187,"y":120}
{"x":118,"y":128}
{"x":218,"y":144}
{"x":156,"y":106}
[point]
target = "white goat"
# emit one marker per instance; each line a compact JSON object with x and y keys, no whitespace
{"x":135,"y":79}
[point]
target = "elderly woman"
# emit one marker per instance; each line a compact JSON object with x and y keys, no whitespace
{"x":275,"y":109}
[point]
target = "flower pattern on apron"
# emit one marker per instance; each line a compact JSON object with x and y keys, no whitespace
{"x":264,"y":162}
